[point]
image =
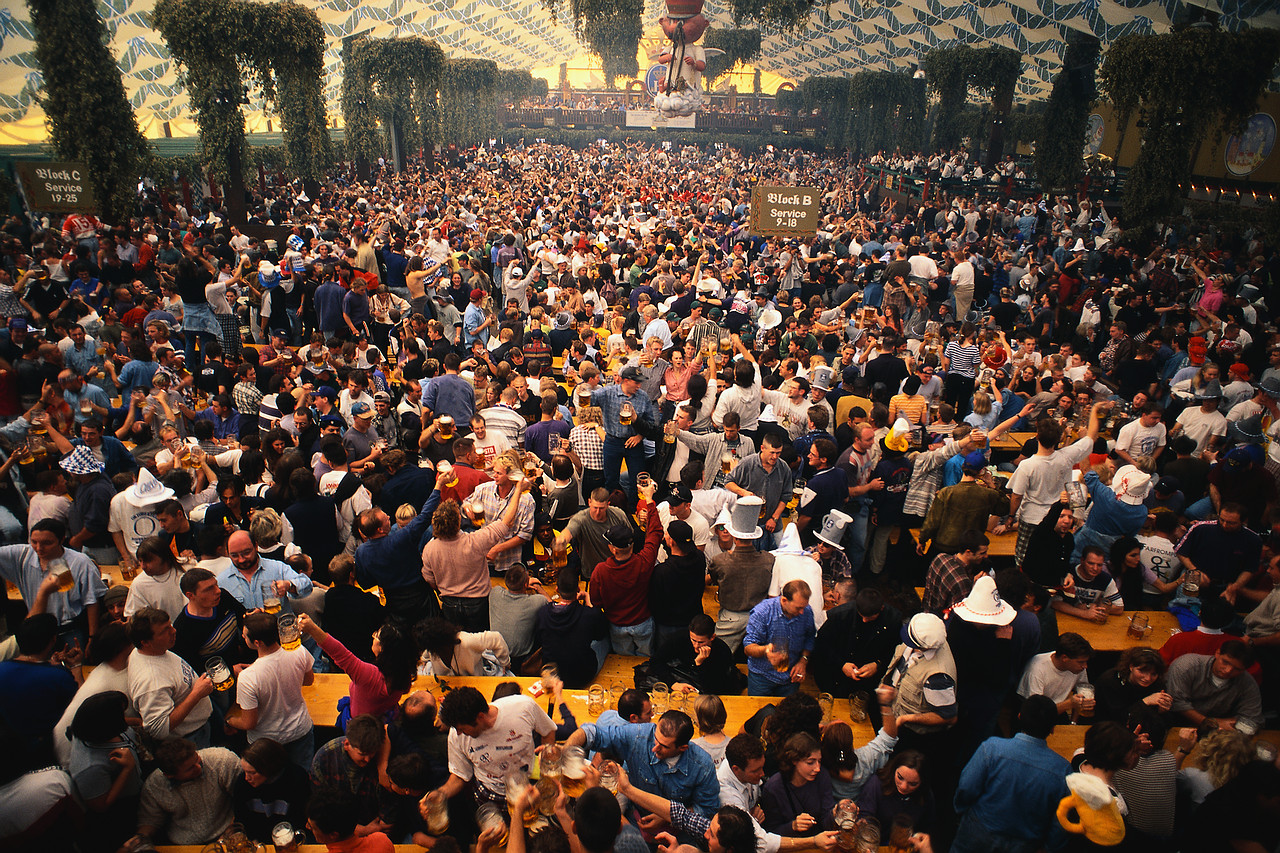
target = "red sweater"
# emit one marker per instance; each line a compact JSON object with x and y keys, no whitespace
{"x":1199,"y":643}
{"x":621,"y":590}
{"x":368,"y":688}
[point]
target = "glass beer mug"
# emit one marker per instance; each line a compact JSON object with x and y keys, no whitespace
{"x":626,"y":414}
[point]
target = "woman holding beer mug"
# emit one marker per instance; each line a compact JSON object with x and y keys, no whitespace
{"x":376,"y":688}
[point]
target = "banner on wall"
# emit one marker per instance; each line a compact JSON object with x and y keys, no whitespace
{"x":1246,"y":152}
{"x":653,"y":118}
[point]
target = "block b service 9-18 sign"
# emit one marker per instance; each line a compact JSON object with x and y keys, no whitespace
{"x":785,"y":211}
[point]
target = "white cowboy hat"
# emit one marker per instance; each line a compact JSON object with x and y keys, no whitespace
{"x":983,"y":605}
{"x":148,"y":490}
{"x":1131,"y":485}
{"x":770,"y":318}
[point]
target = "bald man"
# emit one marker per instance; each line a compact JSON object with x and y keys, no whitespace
{"x":249,"y":571}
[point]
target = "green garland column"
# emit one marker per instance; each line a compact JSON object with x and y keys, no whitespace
{"x":1059,"y":147}
{"x":468,"y":114}
{"x":88,"y":112}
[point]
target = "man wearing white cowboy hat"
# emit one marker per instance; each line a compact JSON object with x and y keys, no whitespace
{"x":91,"y":507}
{"x":133,"y":514}
{"x":743,"y":574}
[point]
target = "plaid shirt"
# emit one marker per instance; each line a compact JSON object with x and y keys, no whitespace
{"x":610,"y":399}
{"x":245,"y":396}
{"x":487,"y":494}
{"x":588,"y":445}
{"x":948,"y":582}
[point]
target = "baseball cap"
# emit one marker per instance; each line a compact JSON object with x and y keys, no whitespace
{"x":681,"y":532}
{"x":1168,"y":485}
{"x":361,"y":410}
{"x":620,"y":536}
{"x":18,"y":323}
{"x":924,"y":631}
{"x":383,"y":396}
{"x":332,"y":420}
{"x":632,"y":373}
{"x":328,"y":392}
{"x":679,"y":494}
{"x":477,"y":294}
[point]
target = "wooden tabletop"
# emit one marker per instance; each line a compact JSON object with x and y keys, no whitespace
{"x":1011,"y":441}
{"x":1002,"y":544}
{"x":323,"y":695}
{"x":1113,"y":635}
{"x":109,"y":571}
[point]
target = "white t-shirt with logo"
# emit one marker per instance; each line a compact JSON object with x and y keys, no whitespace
{"x":1138,"y":440}
{"x":1160,"y":556}
{"x":508,"y":746}
{"x":134,"y":523}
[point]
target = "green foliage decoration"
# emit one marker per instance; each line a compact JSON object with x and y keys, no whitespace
{"x":952,"y":71}
{"x":467,"y":106}
{"x":610,"y":30}
{"x":223,"y":49}
{"x":396,"y":80}
{"x":84,"y":101}
{"x":870,"y":111}
{"x":774,"y":15}
{"x":887,"y":112}
{"x":789,"y":100}
{"x":1184,"y":86}
{"x":513,"y":85}
{"x":1060,"y":145}
{"x":740,"y":47}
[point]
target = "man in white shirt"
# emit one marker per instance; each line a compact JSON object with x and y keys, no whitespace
{"x":962,"y":281}
{"x":489,"y":740}
{"x":1203,"y":425}
{"x":1059,"y":674}
{"x":1038,"y":481}
{"x":679,"y":505}
{"x":170,"y":697}
{"x":1143,"y":436}
{"x":269,"y":690}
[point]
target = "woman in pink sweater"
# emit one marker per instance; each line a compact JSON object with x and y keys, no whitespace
{"x":376,"y":688}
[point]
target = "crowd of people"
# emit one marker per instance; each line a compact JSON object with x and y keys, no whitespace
{"x":730,"y":456}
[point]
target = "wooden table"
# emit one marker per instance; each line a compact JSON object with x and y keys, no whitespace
{"x":109,"y":571}
{"x":1002,"y":545}
{"x":323,"y":695}
{"x":1011,"y":441}
{"x":1113,"y":635}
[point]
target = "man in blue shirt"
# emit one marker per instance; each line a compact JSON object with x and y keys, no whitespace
{"x":623,"y":440}
{"x":249,"y":572}
{"x":772,"y":669}
{"x":328,"y":300}
{"x":450,"y":394}
{"x":475,"y":324}
{"x":659,"y":759}
{"x":1009,"y":791}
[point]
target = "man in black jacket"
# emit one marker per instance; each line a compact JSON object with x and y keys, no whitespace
{"x":698,"y":658}
{"x":853,"y":648}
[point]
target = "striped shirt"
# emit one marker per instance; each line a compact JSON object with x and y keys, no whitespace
{"x":505,"y":420}
{"x":962,"y":360}
{"x":494,"y":506}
